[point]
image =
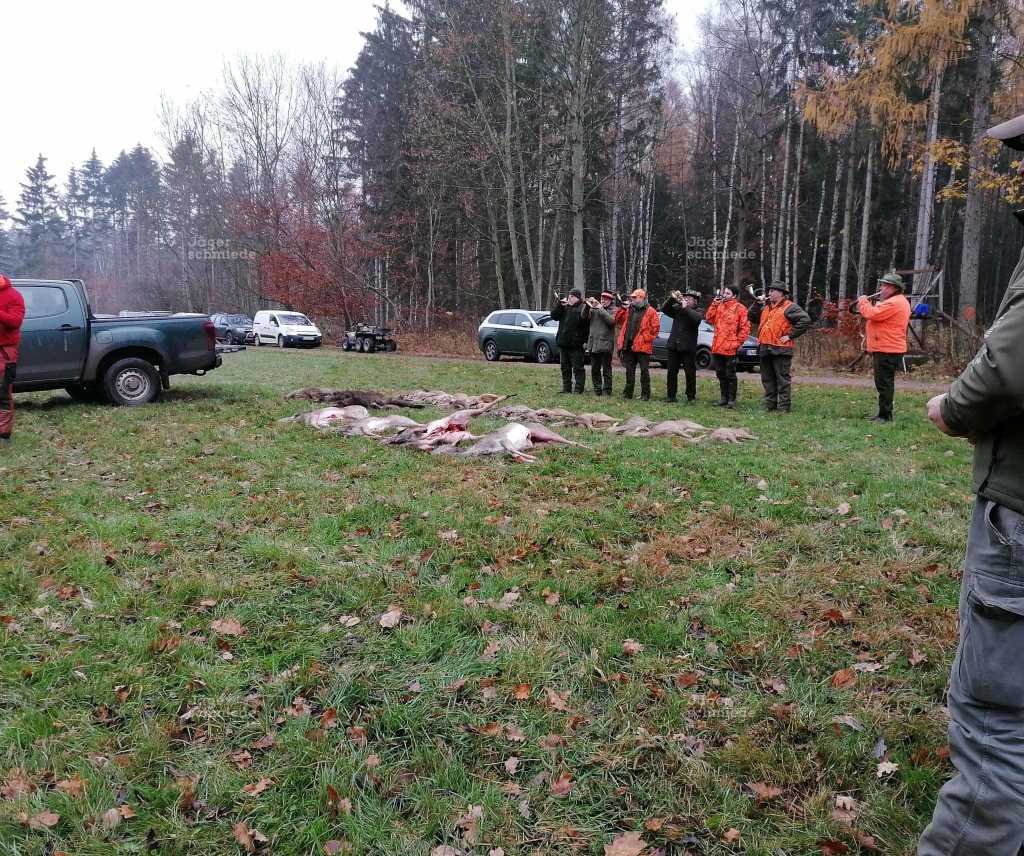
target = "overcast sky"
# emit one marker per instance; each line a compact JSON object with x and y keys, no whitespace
{"x":92,"y":76}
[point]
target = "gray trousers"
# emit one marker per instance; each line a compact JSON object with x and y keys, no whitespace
{"x":980,"y":811}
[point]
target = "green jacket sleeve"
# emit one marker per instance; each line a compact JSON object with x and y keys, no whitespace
{"x":991,"y":389}
{"x":604,"y":315}
{"x":799,"y":320}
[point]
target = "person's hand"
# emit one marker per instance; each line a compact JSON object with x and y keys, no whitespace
{"x":935,"y":415}
{"x":784,"y":339}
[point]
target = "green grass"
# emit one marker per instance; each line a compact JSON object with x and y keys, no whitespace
{"x":120,"y":523}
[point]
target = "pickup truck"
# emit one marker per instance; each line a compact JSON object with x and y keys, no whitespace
{"x":126,"y":361}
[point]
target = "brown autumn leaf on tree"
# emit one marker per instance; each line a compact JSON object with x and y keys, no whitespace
{"x":228,"y":627}
{"x":627,"y":844}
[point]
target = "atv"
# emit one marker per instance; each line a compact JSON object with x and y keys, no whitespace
{"x":368,"y":338}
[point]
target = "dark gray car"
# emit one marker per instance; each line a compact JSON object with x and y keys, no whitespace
{"x":518,"y":333}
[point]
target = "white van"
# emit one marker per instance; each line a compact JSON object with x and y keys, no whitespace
{"x":286,"y":329}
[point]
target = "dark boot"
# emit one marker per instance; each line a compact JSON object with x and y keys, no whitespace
{"x":723,"y":385}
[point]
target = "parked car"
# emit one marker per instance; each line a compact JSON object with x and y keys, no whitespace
{"x":519,"y":333}
{"x":748,"y":359}
{"x":368,"y":338}
{"x":285,"y":329}
{"x":125,"y":360}
{"x":233,"y":329}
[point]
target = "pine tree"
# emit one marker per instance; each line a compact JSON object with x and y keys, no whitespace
{"x":38,"y":219}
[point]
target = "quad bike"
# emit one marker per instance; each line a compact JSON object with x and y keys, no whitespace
{"x":368,"y":338}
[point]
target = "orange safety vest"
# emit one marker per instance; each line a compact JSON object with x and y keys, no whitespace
{"x":774,"y":325}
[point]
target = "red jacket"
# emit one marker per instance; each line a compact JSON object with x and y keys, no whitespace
{"x":12,"y":313}
{"x":731,"y":324}
{"x":647,"y":332}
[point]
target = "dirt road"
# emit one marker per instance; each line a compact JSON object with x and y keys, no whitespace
{"x":822,"y":378}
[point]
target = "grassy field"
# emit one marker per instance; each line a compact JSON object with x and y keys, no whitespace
{"x":723,"y":649}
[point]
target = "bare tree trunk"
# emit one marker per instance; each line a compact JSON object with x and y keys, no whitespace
{"x":714,"y":179}
{"x":837,"y":186}
{"x":973,"y":211}
{"x":844,"y":255}
{"x":926,"y":202}
{"x":814,"y":242}
{"x":865,"y":223}
{"x":778,"y":249}
{"x":794,"y":281}
{"x":764,"y":216}
{"x":509,"y":171}
{"x":728,"y":216}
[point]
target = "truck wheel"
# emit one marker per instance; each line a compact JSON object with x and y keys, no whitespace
{"x":703,"y":358}
{"x":491,"y":352}
{"x":85,"y":394}
{"x":132,"y":381}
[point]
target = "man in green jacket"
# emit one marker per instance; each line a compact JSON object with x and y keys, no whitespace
{"x":601,"y":340}
{"x":981,"y":809}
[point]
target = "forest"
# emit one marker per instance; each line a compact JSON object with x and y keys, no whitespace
{"x":487,"y":153}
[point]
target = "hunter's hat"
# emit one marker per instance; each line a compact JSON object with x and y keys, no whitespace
{"x":1010,"y":132}
{"x":779,"y":285}
{"x":894,"y":279}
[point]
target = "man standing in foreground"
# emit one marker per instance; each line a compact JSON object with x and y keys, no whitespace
{"x":571,"y":337}
{"x":12,"y":313}
{"x":779,"y":323}
{"x":886,"y":332}
{"x":980,"y":811}
{"x":638,"y":328}
{"x":729,"y":318}
{"x":682,"y":343}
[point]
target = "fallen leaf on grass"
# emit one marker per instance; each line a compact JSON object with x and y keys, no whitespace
{"x":228,"y":627}
{"x":333,"y":847}
{"x":731,"y":835}
{"x":337,"y":803}
{"x":917,"y":658}
{"x":250,"y":839}
{"x":256,"y":788}
{"x":42,"y":820}
{"x":268,"y":741}
{"x":627,"y":844}
{"x":329,"y":719}
{"x":849,"y":722}
{"x":886,"y":768}
{"x":512,"y":765}
{"x":843,"y":508}
{"x":17,"y":785}
{"x":843,"y":679}
{"x":521,"y":692}
{"x":686,"y":680}
{"x":445,"y":850}
{"x":562,"y":785}
{"x":469,"y":824}
{"x":631,"y":647}
{"x":764,"y":791}
{"x":391,"y":618}
{"x":831,"y":847}
{"x":73,"y":787}
{"x":556,"y":700}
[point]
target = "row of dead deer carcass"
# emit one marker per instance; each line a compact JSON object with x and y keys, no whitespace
{"x":439,"y":436}
{"x":527,"y":427}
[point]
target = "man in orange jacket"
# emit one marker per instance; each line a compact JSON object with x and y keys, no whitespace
{"x":779,"y":321}
{"x":639,"y":326}
{"x":729,"y":318}
{"x":886,"y":332}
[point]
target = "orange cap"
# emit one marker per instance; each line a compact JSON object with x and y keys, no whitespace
{"x":639,"y":294}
